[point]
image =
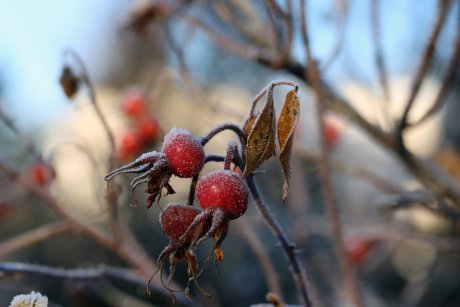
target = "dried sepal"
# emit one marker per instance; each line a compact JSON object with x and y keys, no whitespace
{"x":261,"y":139}
{"x":69,"y":81}
{"x":286,"y":125}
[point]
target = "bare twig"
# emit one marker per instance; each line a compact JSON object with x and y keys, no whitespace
{"x":422,"y":71}
{"x":104,"y":272}
{"x":329,"y":197}
{"x":447,"y":81}
{"x":33,"y":236}
{"x":287,"y":19}
{"x":139,"y":261}
{"x":288,"y":247}
{"x":112,"y":204}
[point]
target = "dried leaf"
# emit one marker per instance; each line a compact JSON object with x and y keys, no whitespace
{"x":286,"y":125}
{"x":69,"y":82}
{"x":261,"y":140}
{"x":249,"y":123}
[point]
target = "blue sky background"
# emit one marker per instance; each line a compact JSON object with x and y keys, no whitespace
{"x":34,"y":34}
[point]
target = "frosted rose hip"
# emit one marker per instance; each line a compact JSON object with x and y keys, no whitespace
{"x":184,"y":152}
{"x":176,"y":218}
{"x":223,"y":189}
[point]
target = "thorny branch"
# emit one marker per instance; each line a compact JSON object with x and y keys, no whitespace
{"x":328,"y":193}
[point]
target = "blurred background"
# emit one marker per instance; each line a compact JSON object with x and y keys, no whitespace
{"x":158,"y":65}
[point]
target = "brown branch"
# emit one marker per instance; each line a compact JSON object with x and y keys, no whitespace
{"x":422,"y":71}
{"x":140,"y":262}
{"x":448,"y":80}
{"x":124,"y":276}
{"x":112,"y":204}
{"x":287,"y":20}
{"x":36,"y":235}
{"x":328,"y":193}
{"x":288,"y":247}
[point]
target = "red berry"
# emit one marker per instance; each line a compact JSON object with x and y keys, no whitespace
{"x":148,"y":128}
{"x":184,"y":152}
{"x":176,"y":218}
{"x":41,"y":173}
{"x":223,"y":189}
{"x":131,"y":144}
{"x":357,"y":249}
{"x":134,"y":103}
{"x":331,"y":133}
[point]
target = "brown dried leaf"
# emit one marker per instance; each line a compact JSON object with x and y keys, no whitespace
{"x":69,"y":82}
{"x":249,"y":123}
{"x":286,"y":125}
{"x":261,"y":140}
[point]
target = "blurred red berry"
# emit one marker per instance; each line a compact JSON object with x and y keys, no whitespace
{"x":357,"y":249}
{"x":41,"y":173}
{"x":134,"y":103}
{"x":148,"y":128}
{"x":130,"y":145}
{"x":331,"y":133}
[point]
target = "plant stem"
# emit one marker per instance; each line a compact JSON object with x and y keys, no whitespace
{"x":287,"y":246}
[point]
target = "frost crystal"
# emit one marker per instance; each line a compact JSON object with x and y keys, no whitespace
{"x":33,"y":299}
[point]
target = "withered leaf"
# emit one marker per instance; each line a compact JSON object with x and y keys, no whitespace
{"x":69,"y":82}
{"x":249,"y":123}
{"x":261,"y":139}
{"x":286,"y":125}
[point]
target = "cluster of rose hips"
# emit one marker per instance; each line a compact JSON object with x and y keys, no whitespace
{"x":222,"y":196}
{"x":145,"y":130}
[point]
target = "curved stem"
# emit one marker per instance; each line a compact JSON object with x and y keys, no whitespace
{"x":287,"y":246}
{"x":224,"y":127}
{"x":111,"y":197}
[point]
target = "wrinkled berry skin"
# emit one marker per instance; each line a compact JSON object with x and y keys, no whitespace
{"x":184,"y":152}
{"x":223,"y":189}
{"x":176,"y":218}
